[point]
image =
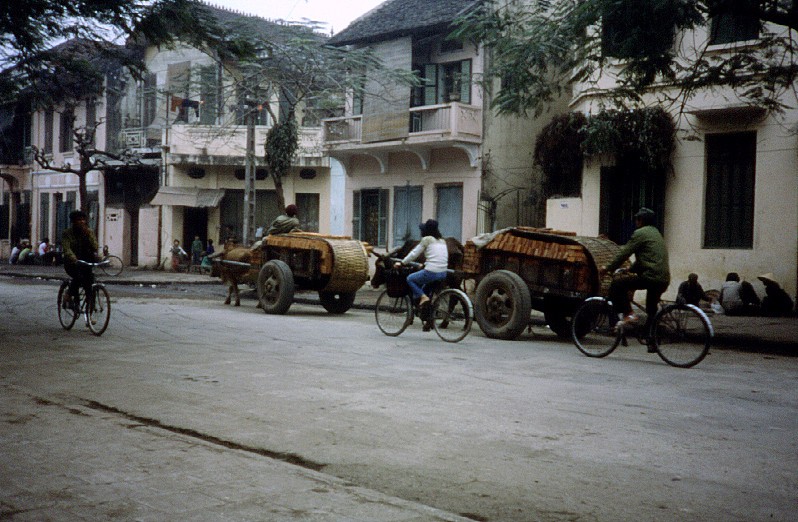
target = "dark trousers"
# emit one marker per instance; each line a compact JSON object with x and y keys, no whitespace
{"x":622,"y":287}
{"x":81,"y":276}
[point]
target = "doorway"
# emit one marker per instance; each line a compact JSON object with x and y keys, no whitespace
{"x":195,"y":223}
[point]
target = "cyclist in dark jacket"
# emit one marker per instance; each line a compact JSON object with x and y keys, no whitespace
{"x":649,"y":272}
{"x":79,"y":243}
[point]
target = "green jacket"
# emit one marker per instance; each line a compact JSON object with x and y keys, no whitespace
{"x":78,"y":245}
{"x":651,"y":255}
{"x":283,"y":225}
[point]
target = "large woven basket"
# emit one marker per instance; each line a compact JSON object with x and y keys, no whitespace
{"x":343,"y":259}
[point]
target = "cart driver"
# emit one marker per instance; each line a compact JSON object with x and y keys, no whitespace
{"x":285,"y":223}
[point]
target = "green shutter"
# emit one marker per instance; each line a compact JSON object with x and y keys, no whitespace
{"x":356,"y":232}
{"x":465,"y":81}
{"x":430,"y":81}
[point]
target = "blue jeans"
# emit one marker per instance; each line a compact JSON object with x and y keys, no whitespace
{"x":418,"y":280}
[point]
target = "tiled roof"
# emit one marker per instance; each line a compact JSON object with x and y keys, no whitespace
{"x":399,"y":17}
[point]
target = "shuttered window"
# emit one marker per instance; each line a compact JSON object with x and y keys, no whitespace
{"x":729,"y":210}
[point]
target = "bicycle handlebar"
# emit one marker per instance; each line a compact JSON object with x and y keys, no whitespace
{"x":411,"y":264}
{"x":104,"y":262}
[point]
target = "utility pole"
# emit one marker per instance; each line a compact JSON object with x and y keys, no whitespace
{"x":249,"y":176}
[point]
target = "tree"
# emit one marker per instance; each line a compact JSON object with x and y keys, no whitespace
{"x":539,"y":48}
{"x":31,"y":29}
{"x":303,"y":74}
{"x":90,"y":159}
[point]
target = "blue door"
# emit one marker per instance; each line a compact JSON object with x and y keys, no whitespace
{"x":450,"y":211}
{"x":406,"y":213}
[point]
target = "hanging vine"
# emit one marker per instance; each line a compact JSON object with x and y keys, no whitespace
{"x":645,"y":137}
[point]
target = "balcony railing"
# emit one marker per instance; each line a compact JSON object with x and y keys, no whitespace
{"x":210,"y":140}
{"x":454,"y":121}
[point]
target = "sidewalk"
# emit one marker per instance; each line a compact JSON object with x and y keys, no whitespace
{"x":775,"y":335}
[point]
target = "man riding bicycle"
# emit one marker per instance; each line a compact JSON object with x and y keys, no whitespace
{"x":650,"y":271}
{"x":79,"y":243}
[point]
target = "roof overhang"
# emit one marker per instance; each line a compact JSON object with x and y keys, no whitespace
{"x":188,"y":197}
{"x":738,"y":114}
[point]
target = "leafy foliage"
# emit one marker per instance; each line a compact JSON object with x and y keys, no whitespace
{"x":644,"y":137}
{"x":538,"y":49}
{"x":51,"y":46}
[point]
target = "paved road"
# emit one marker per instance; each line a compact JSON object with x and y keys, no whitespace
{"x":526,"y":430}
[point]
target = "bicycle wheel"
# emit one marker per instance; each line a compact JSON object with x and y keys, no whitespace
{"x":393,"y":314}
{"x":682,"y":334}
{"x":66,"y":312}
{"x":593,"y":328}
{"x":114,"y":266}
{"x":452,"y":315}
{"x":99,"y":310}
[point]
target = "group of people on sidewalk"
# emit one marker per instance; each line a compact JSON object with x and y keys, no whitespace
{"x":739,"y":298}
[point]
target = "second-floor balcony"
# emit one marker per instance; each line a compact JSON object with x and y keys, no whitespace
{"x":448,"y":122}
{"x":225,"y":145}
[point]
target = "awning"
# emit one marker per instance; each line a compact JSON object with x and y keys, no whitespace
{"x":188,"y":197}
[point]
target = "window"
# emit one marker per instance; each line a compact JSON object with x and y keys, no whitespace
{"x":370,"y":216}
{"x":91,"y":118}
{"x":406,"y":213}
{"x":450,"y":210}
{"x":729,"y":211}
{"x":209,"y":95}
{"x":49,"y":115}
{"x":444,"y":83}
{"x":150,"y":96}
{"x":308,"y":212}
{"x":44,"y":214}
{"x":66,"y":139}
{"x":636,"y":29}
{"x":736,"y":21}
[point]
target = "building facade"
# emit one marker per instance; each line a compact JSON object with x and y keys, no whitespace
{"x":730,"y":201}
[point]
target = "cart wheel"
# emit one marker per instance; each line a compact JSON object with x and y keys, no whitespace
{"x":275,"y":287}
{"x":502,"y":305}
{"x":337,"y":302}
{"x":558,"y":314}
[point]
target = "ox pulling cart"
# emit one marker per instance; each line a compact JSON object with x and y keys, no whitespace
{"x":520,"y":269}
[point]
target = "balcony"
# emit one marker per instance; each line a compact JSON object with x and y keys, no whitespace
{"x":448,"y":122}
{"x":217,"y":145}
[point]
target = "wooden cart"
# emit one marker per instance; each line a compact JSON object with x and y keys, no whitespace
{"x":522,"y":268}
{"x":334,"y":266}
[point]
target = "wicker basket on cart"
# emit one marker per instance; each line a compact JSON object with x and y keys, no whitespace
{"x":340,"y":261}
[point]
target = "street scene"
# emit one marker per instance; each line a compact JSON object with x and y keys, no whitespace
{"x":399,"y":260}
{"x":191,"y":410}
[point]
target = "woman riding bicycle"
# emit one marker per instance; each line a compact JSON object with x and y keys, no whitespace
{"x":436,"y":256}
{"x":649,"y":272}
{"x":79,"y":243}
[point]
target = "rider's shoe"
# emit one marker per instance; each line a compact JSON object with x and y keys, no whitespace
{"x":424,"y":299}
{"x":630,"y":319}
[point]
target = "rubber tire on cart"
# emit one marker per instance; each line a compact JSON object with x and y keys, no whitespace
{"x":337,"y":302}
{"x":275,"y":287}
{"x":502,"y":305}
{"x":558,"y":314}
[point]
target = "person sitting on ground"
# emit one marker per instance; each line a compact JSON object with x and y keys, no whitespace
{"x":26,"y":254}
{"x":79,"y":243}
{"x":691,"y":291}
{"x":285,"y":223}
{"x":776,"y":303}
{"x":177,"y":254}
{"x":738,"y":298}
{"x":15,"y":254}
{"x":650,"y":271}
{"x":45,"y":252}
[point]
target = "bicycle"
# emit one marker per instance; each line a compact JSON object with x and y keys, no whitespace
{"x":450,"y":311}
{"x":96,"y":309}
{"x":115,"y":264}
{"x":680,"y":333}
